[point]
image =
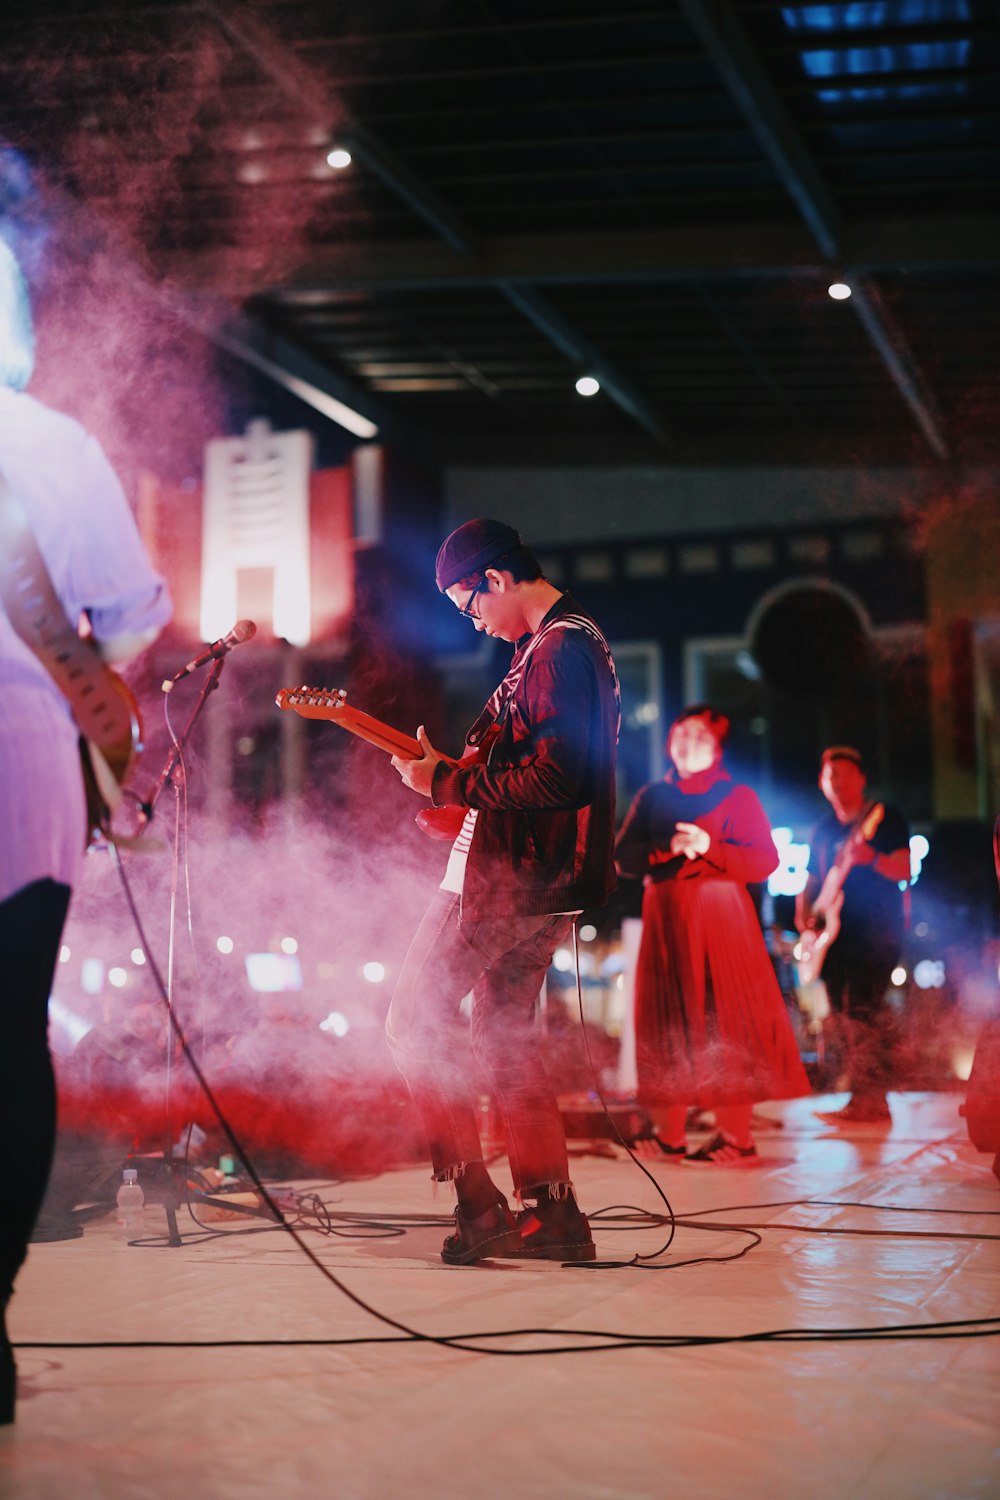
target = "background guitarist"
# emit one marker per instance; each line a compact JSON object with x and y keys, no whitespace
{"x":864,"y":953}
{"x":84,"y":530}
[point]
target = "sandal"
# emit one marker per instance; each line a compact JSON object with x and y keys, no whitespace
{"x":721,"y":1152}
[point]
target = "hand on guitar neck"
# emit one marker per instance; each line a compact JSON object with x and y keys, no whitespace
{"x":417,"y":772}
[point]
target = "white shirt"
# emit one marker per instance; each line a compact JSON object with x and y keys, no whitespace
{"x":88,"y":537}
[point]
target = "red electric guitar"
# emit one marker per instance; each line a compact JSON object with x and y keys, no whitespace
{"x":322,"y":703}
{"x":815,"y":942}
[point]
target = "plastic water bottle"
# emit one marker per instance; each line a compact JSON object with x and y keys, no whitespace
{"x":130,"y":1200}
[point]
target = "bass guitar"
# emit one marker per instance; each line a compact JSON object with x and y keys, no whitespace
{"x":103,"y":707}
{"x":332,"y":706}
{"x":815,"y":942}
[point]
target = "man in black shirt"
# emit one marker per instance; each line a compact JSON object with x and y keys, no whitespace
{"x":866,"y":948}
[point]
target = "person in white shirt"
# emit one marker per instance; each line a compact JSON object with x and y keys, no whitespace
{"x":80,"y":522}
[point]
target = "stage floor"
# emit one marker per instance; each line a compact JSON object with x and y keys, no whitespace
{"x":879,"y":1228}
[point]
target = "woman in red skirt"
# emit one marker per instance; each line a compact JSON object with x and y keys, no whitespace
{"x":711,"y":1026}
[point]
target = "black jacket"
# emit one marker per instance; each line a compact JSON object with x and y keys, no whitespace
{"x":544,"y":837}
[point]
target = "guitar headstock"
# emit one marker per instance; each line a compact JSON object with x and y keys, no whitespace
{"x":312,"y":702}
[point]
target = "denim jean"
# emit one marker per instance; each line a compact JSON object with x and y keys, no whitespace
{"x":503,"y":963}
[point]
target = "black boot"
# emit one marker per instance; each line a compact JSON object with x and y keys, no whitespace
{"x":490,"y":1234}
{"x":555,"y":1229}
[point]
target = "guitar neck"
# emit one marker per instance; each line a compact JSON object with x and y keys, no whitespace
{"x":319,"y":703}
{"x":845,"y":861}
{"x":393,"y":741}
{"x":830,"y":889}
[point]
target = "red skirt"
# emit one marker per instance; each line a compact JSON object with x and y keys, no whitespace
{"x":711,"y":1024}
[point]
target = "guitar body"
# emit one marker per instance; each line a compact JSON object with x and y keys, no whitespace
{"x":443,"y":823}
{"x":104,"y":709}
{"x":815,"y":943}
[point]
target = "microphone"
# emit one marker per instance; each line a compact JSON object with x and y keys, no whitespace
{"x":242,"y":631}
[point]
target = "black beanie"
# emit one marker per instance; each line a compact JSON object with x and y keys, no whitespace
{"x":843,"y":752}
{"x":472,"y":548}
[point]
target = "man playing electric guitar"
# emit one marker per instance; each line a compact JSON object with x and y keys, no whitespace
{"x":860,"y":958}
{"x":536,"y":847}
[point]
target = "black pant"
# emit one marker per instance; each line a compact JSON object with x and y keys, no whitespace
{"x":862,"y":1023}
{"x":31,"y":924}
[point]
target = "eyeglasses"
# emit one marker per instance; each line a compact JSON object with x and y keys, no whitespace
{"x":466,"y":610}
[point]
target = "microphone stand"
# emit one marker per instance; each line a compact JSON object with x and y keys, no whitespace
{"x":173,"y":1198}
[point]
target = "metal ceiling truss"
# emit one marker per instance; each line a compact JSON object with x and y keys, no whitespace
{"x":670,"y":314}
{"x":297,"y":83}
{"x":721,"y":32}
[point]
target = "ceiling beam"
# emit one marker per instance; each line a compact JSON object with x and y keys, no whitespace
{"x":294,"y":370}
{"x":405,"y":184}
{"x":890,"y":343}
{"x":606,"y":257}
{"x":722,"y":34}
{"x":587,"y":358}
{"x":299,"y":85}
{"x":274,"y":356}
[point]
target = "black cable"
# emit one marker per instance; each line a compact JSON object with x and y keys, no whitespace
{"x":239,"y":1149}
{"x":616,"y":1265}
{"x":612,"y":1339}
{"x":647,"y":1262}
{"x":848,"y":1203}
{"x":641,"y":1219}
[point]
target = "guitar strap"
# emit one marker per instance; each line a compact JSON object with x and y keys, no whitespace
{"x":102,"y":716}
{"x":496,"y":709}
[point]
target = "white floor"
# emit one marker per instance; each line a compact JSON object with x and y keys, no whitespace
{"x":874,"y":1419}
